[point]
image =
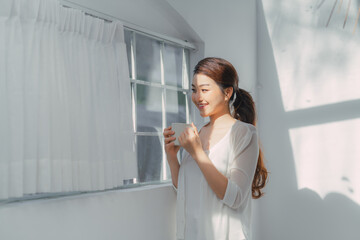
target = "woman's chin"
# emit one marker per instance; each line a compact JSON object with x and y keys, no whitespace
{"x":203,"y":114}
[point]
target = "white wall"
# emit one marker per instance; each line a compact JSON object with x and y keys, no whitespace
{"x":147,"y":213}
{"x":308,"y":121}
{"x":228,"y":30}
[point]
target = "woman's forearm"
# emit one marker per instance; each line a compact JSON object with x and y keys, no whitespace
{"x":174,"y":168}
{"x":216,"y":180}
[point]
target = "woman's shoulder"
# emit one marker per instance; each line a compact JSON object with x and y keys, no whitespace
{"x":242,"y":134}
{"x":243,"y":128}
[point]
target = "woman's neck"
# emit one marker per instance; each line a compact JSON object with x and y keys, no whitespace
{"x":221,"y":120}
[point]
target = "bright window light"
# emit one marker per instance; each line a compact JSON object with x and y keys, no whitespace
{"x":317,"y":51}
{"x":327,"y":158}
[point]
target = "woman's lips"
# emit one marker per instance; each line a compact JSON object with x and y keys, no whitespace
{"x":202,"y":106}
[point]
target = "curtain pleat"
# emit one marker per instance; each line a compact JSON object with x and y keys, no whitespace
{"x":65,"y":105}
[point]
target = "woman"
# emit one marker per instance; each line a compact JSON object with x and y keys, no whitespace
{"x":222,"y":166}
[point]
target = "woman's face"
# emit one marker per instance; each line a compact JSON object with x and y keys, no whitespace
{"x":207,"y":96}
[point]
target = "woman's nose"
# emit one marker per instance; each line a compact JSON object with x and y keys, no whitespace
{"x":198,"y":96}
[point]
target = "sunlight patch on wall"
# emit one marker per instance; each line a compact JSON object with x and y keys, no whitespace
{"x":317,"y":56}
{"x":327,"y":158}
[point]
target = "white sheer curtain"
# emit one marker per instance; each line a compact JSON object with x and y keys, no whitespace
{"x":65,"y":117}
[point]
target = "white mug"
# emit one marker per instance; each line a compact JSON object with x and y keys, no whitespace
{"x":178,"y":128}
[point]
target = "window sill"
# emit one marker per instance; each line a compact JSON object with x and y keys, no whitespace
{"x":76,"y":195}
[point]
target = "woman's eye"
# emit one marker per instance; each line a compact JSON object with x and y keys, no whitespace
{"x":193,"y":90}
{"x":204,"y":90}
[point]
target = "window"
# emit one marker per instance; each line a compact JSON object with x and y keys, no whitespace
{"x":83,"y":142}
{"x":159,"y":73}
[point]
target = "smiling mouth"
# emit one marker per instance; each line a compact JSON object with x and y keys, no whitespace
{"x":201,"y":106}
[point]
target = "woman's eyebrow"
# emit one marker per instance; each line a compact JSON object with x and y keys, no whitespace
{"x":205,"y":84}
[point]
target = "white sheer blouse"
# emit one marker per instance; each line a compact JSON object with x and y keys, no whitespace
{"x":200,"y":214}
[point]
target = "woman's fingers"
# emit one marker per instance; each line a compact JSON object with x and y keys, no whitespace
{"x":195,"y":128}
{"x":181,"y":137}
{"x":166,"y":129}
{"x":168,"y":133}
{"x":169,"y":139}
{"x":171,"y":144}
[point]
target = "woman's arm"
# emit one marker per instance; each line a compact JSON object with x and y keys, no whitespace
{"x":232,"y":191}
{"x":190,"y":141}
{"x":216,"y":180}
{"x":242,"y":168}
{"x":171,"y":152}
{"x":174,"y":168}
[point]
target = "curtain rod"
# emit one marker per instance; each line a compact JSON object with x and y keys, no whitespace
{"x":128,"y":26}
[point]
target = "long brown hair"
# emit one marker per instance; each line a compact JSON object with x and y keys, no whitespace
{"x":225,"y":75}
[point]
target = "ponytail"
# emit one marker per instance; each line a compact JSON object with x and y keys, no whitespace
{"x":244,"y":107}
{"x":244,"y":110}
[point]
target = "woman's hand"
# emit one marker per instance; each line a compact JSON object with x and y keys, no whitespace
{"x":189,"y":139}
{"x":170,"y":148}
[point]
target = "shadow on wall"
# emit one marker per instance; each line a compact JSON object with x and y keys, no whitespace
{"x":313,"y":189}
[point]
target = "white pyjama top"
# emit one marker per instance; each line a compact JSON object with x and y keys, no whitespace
{"x":200,"y":214}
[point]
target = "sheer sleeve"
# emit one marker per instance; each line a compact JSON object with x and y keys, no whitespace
{"x":174,"y":188}
{"x":243,"y":160}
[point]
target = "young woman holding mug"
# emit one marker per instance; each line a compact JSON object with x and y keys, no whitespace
{"x":222,"y":167}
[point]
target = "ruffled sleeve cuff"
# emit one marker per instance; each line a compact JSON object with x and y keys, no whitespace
{"x":230,"y":194}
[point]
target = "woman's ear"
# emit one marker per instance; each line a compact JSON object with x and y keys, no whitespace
{"x":228,"y":93}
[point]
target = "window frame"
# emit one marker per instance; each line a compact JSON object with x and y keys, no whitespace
{"x":185,"y":89}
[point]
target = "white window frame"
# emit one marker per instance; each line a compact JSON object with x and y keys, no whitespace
{"x":134,"y":82}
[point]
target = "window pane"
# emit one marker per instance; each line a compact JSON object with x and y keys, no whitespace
{"x":175,"y":107}
{"x":148,"y":108}
{"x":173,"y":65}
{"x":147,"y":59}
{"x":149,"y":152}
{"x":128,"y":49}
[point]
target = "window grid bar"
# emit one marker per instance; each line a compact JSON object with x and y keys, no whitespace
{"x":133,"y":55}
{"x":133,"y":100}
{"x":134,"y":74}
{"x":163,"y":109}
{"x":162,"y":47}
{"x":153,"y":134}
{"x":185,"y":84}
{"x":159,"y":85}
{"x":174,"y":42}
{"x":187,"y":108}
{"x":133,"y":90}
